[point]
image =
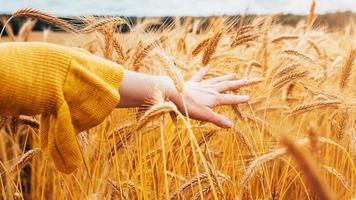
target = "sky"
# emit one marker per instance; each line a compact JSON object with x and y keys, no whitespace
{"x":175,"y":7}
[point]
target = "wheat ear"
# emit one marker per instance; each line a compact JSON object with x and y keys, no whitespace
{"x":116,"y":21}
{"x":315,"y":47}
{"x":119,"y":51}
{"x":36,"y":14}
{"x":314,"y":105}
{"x":311,"y":16}
{"x":243,"y":39}
{"x":341,"y":126}
{"x":24,"y":159}
{"x":200,"y":47}
{"x":205,"y":190}
{"x":286,"y":70}
{"x":29,"y":121}
{"x":352,"y":142}
{"x":154,"y":111}
{"x":142,"y":52}
{"x":288,"y":78}
{"x":300,"y":55}
{"x":117,"y":189}
{"x":311,"y":173}
{"x":338,"y":175}
{"x":203,"y":177}
{"x":347,"y":68}
{"x":284,"y":37}
{"x":211,"y":48}
{"x":244,"y":29}
{"x":191,"y":183}
{"x":258,"y":162}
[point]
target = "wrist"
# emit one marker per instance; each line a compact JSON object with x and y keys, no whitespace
{"x":170,"y":91}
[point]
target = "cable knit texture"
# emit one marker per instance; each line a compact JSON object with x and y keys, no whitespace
{"x":72,"y":89}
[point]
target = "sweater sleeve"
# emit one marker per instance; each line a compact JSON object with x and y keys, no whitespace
{"x":72,"y":89}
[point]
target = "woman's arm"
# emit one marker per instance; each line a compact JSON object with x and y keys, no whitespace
{"x":200,"y":96}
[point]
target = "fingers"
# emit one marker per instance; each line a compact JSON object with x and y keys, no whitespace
{"x":227,"y":77}
{"x":230,"y":99}
{"x":218,"y":119}
{"x":200,"y":74}
{"x":229,"y":85}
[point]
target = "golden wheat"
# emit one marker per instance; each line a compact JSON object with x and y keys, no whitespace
{"x":301,"y":82}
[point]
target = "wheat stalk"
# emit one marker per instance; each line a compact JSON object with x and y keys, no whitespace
{"x":8,"y":28}
{"x":3,"y":121}
{"x":272,"y":108}
{"x":252,"y":81}
{"x":25,"y":30}
{"x":254,"y":63}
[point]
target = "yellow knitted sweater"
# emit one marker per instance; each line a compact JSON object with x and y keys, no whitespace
{"x":72,"y":89}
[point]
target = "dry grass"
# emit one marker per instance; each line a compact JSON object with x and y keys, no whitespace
{"x":301,"y":81}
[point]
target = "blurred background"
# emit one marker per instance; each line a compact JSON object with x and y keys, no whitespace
{"x":333,"y":14}
{"x":145,"y":8}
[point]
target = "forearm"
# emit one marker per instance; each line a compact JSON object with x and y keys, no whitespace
{"x":137,"y":89}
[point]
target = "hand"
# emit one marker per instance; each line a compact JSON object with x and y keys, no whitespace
{"x":201,"y":96}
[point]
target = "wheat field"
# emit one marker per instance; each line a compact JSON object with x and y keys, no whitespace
{"x":295,"y":139}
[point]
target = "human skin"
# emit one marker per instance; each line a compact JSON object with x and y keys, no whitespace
{"x":200,"y":96}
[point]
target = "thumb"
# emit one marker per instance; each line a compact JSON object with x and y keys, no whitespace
{"x":219,"y":120}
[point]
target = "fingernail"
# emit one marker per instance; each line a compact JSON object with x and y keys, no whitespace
{"x":244,"y":80}
{"x":245,"y":98}
{"x":228,"y":123}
